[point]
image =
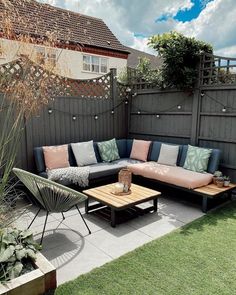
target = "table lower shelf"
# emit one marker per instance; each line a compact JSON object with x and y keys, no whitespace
{"x":118,"y":216}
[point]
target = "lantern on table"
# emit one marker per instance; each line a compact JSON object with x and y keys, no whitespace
{"x":125,"y":177}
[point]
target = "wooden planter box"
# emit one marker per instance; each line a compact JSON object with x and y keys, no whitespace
{"x":36,"y":282}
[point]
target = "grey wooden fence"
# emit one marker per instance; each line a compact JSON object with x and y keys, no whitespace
{"x":205,"y":117}
{"x":97,"y":109}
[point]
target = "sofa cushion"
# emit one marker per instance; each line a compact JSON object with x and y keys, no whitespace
{"x":108,"y":150}
{"x":84,"y":153}
{"x":56,"y":156}
{"x":183,"y":154}
{"x":129,"y":144}
{"x":197,"y":159}
{"x":155,"y":151}
{"x":214,"y":161}
{"x":122,"y":147}
{"x":100,"y":170}
{"x":171,"y":174}
{"x":168,"y":154}
{"x":140,"y":149}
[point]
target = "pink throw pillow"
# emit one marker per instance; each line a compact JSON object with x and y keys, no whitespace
{"x":140,"y":150}
{"x":56,"y":156}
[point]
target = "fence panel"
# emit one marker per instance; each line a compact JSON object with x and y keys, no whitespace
{"x":162,"y":115}
{"x":79,"y":110}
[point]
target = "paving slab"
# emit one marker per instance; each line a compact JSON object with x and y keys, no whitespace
{"x":118,"y":241}
{"x":69,"y":247}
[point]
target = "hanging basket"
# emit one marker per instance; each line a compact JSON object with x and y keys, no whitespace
{"x":125,"y":177}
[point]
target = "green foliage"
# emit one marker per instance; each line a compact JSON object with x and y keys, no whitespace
{"x":181,"y":56}
{"x":218,"y":174}
{"x":17,"y":250}
{"x":145,"y":72}
{"x":123,"y":76}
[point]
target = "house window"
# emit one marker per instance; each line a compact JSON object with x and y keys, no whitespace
{"x":95,"y":64}
{"x":103,"y":65}
{"x":46,"y":55}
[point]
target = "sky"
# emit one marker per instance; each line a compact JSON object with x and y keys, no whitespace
{"x":134,"y":21}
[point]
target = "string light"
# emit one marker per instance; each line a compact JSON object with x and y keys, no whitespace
{"x":50,"y":111}
{"x":126,"y":102}
{"x":179,"y":107}
{"x":139,"y":112}
{"x":74,"y":118}
{"x":128,"y":89}
{"x":112,"y":112}
{"x":158,"y":116}
{"x":96,"y":117}
{"x":224,"y":108}
{"x":135,"y":94}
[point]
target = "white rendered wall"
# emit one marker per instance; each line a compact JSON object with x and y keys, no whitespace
{"x":69,"y":63}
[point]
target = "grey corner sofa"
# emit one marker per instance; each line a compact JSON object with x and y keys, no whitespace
{"x":104,"y":172}
{"x":101,"y":169}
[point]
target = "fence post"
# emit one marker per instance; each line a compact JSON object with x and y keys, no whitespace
{"x":196,"y":108}
{"x":114,"y":96}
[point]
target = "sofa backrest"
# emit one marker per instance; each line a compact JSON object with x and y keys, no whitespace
{"x":213,"y":161}
{"x":124,"y":147}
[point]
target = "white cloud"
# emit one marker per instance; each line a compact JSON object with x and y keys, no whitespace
{"x":215,"y":24}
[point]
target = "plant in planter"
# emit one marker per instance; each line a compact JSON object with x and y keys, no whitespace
{"x":226,"y":180}
{"x":22,"y":267}
{"x":216,"y":175}
{"x":17,"y":253}
{"x":220,"y":181}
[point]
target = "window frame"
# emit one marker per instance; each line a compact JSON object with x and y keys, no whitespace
{"x":91,"y":64}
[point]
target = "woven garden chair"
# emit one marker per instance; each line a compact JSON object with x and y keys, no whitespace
{"x":50,"y":196}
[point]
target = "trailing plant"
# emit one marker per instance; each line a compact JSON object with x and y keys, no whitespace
{"x":181,"y":57}
{"x":17,"y":252}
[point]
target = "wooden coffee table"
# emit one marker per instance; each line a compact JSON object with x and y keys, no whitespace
{"x":103,"y":195}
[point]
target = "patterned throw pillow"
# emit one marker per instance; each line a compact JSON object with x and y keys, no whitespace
{"x":108,"y":150}
{"x":197,"y":159}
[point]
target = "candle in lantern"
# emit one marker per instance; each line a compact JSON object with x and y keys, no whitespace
{"x":118,"y":188}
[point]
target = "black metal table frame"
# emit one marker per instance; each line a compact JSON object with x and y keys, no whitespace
{"x":206,"y":197}
{"x":114,"y":210}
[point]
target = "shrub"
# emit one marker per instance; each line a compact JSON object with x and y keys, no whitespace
{"x":181,"y":56}
{"x":17,"y":252}
{"x":145,"y":72}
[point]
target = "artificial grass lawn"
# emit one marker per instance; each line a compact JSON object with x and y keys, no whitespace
{"x":199,"y":258}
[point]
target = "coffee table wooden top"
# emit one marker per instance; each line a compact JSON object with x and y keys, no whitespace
{"x":213,"y":190}
{"x":139,"y":194}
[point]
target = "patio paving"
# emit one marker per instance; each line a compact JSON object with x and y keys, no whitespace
{"x":73,"y":252}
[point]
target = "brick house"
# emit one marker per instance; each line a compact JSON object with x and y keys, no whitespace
{"x":86,"y":47}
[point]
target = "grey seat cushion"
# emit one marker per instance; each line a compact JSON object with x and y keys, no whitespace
{"x":100,"y":170}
